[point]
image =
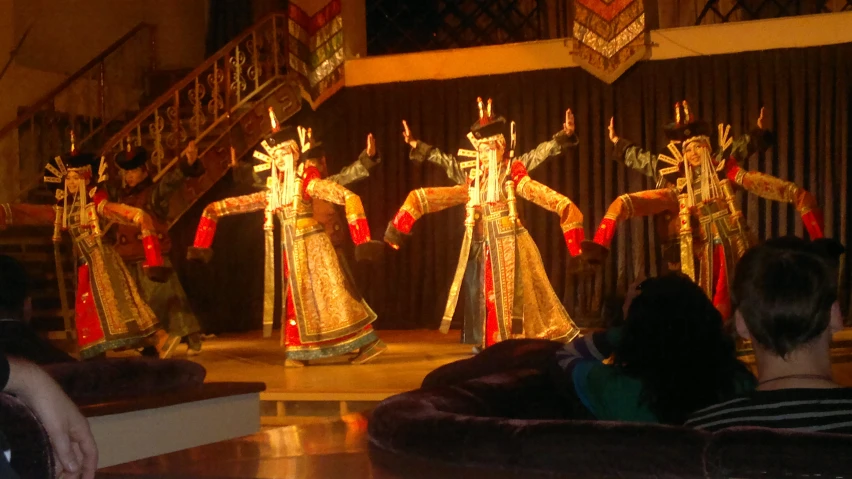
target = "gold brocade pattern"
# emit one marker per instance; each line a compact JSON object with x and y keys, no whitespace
{"x":551,"y":200}
{"x":501,"y":240}
{"x":122,"y":312}
{"x":776,"y":189}
{"x":643,"y":203}
{"x":354,"y":208}
{"x":544,"y":315}
{"x":431,"y":200}
{"x":609,"y":37}
{"x":326,"y":302}
{"x":236,"y":205}
{"x":769,"y":187}
{"x":608,"y":48}
{"x":329,"y":191}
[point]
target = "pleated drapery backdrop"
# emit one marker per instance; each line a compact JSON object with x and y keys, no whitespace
{"x":807,"y":97}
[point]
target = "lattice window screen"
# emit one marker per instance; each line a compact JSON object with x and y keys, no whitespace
{"x":722,"y":11}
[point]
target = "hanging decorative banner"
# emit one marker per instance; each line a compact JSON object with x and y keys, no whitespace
{"x":609,"y":36}
{"x":316,"y":50}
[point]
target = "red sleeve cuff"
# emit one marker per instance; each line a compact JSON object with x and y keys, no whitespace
{"x":205,"y":232}
{"x":403,"y":221}
{"x":731,"y":169}
{"x":814,"y":223}
{"x":153,"y":254}
{"x":310,"y":174}
{"x":518,"y":172}
{"x":360,"y":231}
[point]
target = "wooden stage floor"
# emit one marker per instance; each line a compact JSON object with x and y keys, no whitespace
{"x":333,"y":387}
{"x":326,"y":388}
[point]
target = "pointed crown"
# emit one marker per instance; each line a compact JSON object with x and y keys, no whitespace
{"x":488,"y":124}
{"x":686,"y":125}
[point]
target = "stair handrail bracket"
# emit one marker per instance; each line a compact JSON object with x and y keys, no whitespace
{"x":241,"y":72}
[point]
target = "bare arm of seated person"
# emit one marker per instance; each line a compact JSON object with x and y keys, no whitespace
{"x":73,"y":444}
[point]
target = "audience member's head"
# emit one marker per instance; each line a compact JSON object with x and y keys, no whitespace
{"x":674,"y":342}
{"x":14,"y":289}
{"x":785,"y":295}
{"x":612,"y":311}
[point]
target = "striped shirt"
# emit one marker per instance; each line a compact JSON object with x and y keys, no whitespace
{"x":816,"y":410}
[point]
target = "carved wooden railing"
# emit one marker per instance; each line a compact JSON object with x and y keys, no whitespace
{"x":219,"y":105}
{"x":97,"y":96}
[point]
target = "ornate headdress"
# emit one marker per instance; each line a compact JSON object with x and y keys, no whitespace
{"x":687,"y":129}
{"x":292,"y":139}
{"x":489,"y":128}
{"x":84,"y":164}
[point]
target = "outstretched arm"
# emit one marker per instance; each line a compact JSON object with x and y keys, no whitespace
{"x":14,"y":214}
{"x":421,"y":151}
{"x":776,"y":189}
{"x":229,"y":206}
{"x":624,"y":151}
{"x":570,"y":217}
{"x":360,"y":169}
{"x":758,"y":140}
{"x":420,"y":202}
{"x":564,"y":139}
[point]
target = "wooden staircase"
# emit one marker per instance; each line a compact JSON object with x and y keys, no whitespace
{"x":222,"y":104}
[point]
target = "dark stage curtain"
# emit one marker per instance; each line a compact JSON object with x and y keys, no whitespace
{"x":806,"y":93}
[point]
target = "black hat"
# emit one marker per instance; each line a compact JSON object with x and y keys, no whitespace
{"x":683,"y":132}
{"x":69,"y":161}
{"x":82,"y":160}
{"x":136,"y":158}
{"x":315,"y":151}
{"x":491,"y":127}
{"x":686,"y":126}
{"x":55,"y":171}
{"x":284,"y":135}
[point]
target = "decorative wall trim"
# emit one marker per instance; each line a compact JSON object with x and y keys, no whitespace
{"x":795,"y":32}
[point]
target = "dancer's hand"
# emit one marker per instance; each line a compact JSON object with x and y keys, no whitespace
{"x":406,"y":135}
{"x":568,"y":126}
{"x":191,"y":152}
{"x":612,"y":136}
{"x":761,"y":120}
{"x":371,"y":145}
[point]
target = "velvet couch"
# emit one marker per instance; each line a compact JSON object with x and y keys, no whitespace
{"x":499,"y":414}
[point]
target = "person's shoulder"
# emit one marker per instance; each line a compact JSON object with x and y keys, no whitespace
{"x":712,"y":413}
